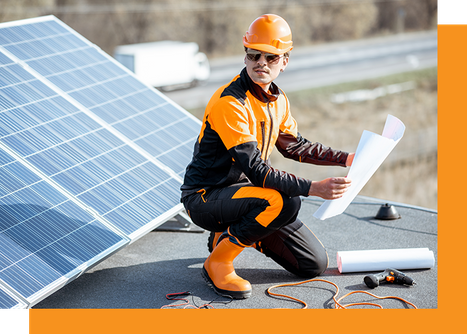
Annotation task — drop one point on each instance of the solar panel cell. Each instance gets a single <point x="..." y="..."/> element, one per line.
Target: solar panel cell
<point x="8" y="302"/>
<point x="15" y="34"/>
<point x="13" y="275"/>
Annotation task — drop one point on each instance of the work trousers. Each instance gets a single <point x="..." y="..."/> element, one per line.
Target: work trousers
<point x="263" y="218"/>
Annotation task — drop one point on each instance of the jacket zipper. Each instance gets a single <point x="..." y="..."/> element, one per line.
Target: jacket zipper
<point x="270" y="131"/>
<point x="263" y="137"/>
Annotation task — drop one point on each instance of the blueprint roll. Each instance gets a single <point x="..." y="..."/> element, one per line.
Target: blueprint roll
<point x="382" y="259"/>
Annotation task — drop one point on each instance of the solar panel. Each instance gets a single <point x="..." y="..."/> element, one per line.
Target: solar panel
<point x="8" y="301"/>
<point x="108" y="90"/>
<point x="90" y="158"/>
<point x="45" y="238"/>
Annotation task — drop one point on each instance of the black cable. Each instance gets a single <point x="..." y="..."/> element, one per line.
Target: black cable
<point x="215" y="301"/>
<point x="180" y="295"/>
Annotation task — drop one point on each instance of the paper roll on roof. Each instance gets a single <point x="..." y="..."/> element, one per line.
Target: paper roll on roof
<point x="377" y="260"/>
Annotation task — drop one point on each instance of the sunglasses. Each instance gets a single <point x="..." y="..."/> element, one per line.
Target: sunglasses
<point x="254" y="55"/>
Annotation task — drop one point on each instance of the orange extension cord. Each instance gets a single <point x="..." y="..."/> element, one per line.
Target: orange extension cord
<point x="337" y="301"/>
<point x="186" y="303"/>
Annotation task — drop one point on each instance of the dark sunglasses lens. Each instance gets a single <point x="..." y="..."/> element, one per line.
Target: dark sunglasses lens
<point x="253" y="56"/>
<point x="272" y="58"/>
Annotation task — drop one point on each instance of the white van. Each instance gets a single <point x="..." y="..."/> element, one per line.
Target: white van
<point x="165" y="65"/>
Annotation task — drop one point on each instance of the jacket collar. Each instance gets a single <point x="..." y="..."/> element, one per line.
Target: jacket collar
<point x="257" y="91"/>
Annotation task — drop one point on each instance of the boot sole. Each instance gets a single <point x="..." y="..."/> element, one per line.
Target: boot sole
<point x="225" y="293"/>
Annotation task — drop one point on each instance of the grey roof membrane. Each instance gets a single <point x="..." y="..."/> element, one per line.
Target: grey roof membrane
<point x="163" y="262"/>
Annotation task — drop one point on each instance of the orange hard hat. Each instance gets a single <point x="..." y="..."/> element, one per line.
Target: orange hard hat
<point x="269" y="33"/>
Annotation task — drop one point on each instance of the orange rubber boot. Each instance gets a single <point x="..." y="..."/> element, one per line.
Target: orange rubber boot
<point x="219" y="272"/>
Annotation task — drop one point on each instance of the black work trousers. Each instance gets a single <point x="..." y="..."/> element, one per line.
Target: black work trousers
<point x="263" y="218"/>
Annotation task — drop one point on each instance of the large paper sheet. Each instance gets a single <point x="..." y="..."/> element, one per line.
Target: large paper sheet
<point x="370" y="154"/>
<point x="382" y="259"/>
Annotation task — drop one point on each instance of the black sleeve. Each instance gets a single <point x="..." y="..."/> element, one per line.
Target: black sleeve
<point x="301" y="149"/>
<point x="248" y="158"/>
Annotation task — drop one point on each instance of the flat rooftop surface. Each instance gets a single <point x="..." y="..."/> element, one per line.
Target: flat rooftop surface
<point x="163" y="262"/>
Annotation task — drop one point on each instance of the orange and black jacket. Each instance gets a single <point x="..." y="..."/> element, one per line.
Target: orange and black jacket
<point x="241" y="125"/>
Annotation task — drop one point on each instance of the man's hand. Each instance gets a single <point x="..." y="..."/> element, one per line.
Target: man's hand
<point x="330" y="188"/>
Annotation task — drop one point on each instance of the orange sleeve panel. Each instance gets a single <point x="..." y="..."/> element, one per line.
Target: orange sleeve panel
<point x="231" y="121"/>
<point x="289" y="126"/>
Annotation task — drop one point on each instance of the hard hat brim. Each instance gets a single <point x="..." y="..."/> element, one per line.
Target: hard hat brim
<point x="266" y="47"/>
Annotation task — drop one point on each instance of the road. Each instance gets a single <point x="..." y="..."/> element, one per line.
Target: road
<point x="328" y="64"/>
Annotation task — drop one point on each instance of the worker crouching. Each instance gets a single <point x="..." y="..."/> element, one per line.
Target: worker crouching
<point x="230" y="188"/>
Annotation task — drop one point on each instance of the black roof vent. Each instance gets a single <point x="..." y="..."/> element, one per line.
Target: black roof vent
<point x="387" y="212"/>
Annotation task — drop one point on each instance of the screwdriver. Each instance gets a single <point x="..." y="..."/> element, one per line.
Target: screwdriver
<point x="389" y="275"/>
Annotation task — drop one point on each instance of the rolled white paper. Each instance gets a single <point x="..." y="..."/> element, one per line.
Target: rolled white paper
<point x="382" y="259"/>
<point x="370" y="154"/>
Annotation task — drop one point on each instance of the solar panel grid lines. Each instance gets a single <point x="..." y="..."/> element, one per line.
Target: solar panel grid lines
<point x="46" y="240"/>
<point x="123" y="73"/>
<point x="66" y="179"/>
<point x="26" y="172"/>
<point x="91" y="159"/>
<point x="8" y="300"/>
<point x="46" y="168"/>
<point x="189" y="125"/>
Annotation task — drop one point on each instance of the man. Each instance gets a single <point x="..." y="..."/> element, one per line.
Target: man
<point x="231" y="190"/>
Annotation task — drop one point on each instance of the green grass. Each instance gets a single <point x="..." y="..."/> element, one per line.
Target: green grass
<point x="422" y="78"/>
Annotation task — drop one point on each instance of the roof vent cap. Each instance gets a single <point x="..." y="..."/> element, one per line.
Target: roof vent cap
<point x="387" y="212"/>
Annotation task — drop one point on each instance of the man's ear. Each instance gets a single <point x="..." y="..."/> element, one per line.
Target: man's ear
<point x="285" y="62"/>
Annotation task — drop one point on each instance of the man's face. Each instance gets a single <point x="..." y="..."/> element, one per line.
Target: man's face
<point x="263" y="68"/>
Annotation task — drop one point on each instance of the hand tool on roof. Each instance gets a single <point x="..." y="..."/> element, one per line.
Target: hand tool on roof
<point x="389" y="275"/>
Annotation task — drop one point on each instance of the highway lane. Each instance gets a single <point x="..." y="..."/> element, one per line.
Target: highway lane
<point x="328" y="64"/>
